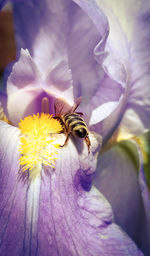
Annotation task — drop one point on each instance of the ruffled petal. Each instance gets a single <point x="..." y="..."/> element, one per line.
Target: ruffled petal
<point x="84" y="36"/>
<point x="98" y="55"/>
<point x="109" y="118"/>
<point x="104" y="68"/>
<point x="118" y="16"/>
<point x="100" y="89"/>
<point x="136" y="27"/>
<point x="54" y="215"/>
<point x="104" y="49"/>
<point x="140" y="45"/>
<point x="102" y="106"/>
<point x="124" y="12"/>
<point x="119" y="60"/>
<point x="139" y="98"/>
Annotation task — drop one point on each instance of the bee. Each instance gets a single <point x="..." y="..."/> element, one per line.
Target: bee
<point x="72" y="121"/>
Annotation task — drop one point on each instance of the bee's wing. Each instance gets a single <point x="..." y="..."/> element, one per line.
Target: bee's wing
<point x="61" y="107"/>
<point x="75" y="105"/>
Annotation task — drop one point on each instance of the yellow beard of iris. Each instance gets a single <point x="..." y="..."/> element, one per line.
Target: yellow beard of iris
<point x="37" y="146"/>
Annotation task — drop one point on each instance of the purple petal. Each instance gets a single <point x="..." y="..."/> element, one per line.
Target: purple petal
<point x="84" y="36"/>
<point x="117" y="58"/>
<point x="138" y="106"/>
<point x="140" y="44"/>
<point x="45" y="38"/>
<point x="119" y="16"/>
<point x="139" y="101"/>
<point x="103" y="92"/>
<point x="104" y="102"/>
<point x="27" y="86"/>
<point x="116" y="61"/>
<point x="93" y="55"/>
<point x="115" y="168"/>
<point x="12" y="193"/>
<point x="97" y="56"/>
<point x="118" y="168"/>
<point x="27" y="102"/>
<point x="105" y="50"/>
<point x="24" y="73"/>
<point x="23" y="98"/>
<point x="112" y="120"/>
<point x="54" y="215"/>
<point x="57" y="32"/>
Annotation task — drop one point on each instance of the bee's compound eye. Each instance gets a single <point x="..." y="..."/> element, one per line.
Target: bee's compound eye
<point x="81" y="132"/>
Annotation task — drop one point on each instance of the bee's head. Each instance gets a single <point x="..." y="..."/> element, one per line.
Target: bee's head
<point x="81" y="132"/>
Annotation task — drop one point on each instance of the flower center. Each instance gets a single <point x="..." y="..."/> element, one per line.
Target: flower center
<point x="36" y="143"/>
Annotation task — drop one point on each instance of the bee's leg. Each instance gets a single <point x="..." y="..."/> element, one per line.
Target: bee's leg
<point x="88" y="143"/>
<point x="66" y="140"/>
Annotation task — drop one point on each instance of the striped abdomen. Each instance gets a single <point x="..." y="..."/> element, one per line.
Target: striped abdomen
<point x="75" y="124"/>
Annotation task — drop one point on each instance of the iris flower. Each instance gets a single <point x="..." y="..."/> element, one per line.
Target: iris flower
<point x="48" y="205"/>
